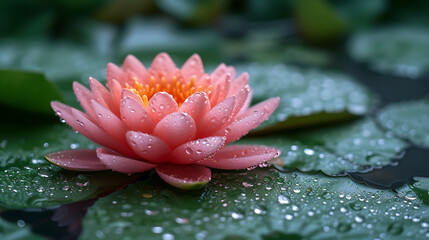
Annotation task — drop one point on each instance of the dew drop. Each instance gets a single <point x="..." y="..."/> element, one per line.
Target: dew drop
<point x="358" y="219"/>
<point x="182" y="220"/>
<point x="326" y="195"/>
<point x="20" y="223"/>
<point x="295" y="208"/>
<point x="74" y="145"/>
<point x="157" y="229"/>
<point x="80" y="123"/>
<point x="343" y="227"/>
<point x="259" y="211"/>
<point x="395" y="228"/>
<point x="309" y="152"/>
<point x="45" y="172"/>
<point x="167" y="236"/>
<point x="296" y="190"/>
<point x="189" y="150"/>
<point x="410" y="196"/>
<point x="283" y="199"/>
<point x="356" y="206"/>
<point x="235" y="215"/>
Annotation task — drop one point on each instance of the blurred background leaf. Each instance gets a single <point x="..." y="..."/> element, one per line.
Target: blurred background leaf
<point x="195" y="12"/>
<point x="12" y="231"/>
<point x="28" y="91"/>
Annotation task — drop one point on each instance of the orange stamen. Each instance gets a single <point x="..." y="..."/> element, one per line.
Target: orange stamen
<point x="179" y="89"/>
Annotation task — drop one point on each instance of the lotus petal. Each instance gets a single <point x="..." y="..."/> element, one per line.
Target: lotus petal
<point x="196" y="150"/>
<point x="135" y="116"/>
<point x="163" y="64"/>
<point x="77" y="160"/>
<point x="240" y="157"/>
<point x="102" y="95"/>
<point x="188" y="177"/>
<point x="267" y="106"/>
<point x="160" y="105"/>
<point x="239" y="128"/>
<point x="148" y="147"/>
<point x="196" y="105"/>
<point x="216" y="118"/>
<point x="193" y="67"/>
<point x="84" y="97"/>
<point x="133" y="65"/>
<point x="122" y="164"/>
<point x="114" y="73"/>
<point x="175" y="129"/>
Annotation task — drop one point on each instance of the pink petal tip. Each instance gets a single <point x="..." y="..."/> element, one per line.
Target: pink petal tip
<point x="188" y="177"/>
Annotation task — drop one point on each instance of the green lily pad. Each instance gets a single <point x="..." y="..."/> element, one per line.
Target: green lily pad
<point x="265" y="48"/>
<point x="356" y="146"/>
<point x="10" y="231"/>
<point x="258" y="204"/>
<point x="146" y="38"/>
<point x="359" y="14"/>
<point x="408" y="120"/>
<point x="194" y="12"/>
<point x="58" y="61"/>
<point x="29" y="181"/>
<point x="397" y="50"/>
<point x="307" y="97"/>
<point x="28" y="91"/>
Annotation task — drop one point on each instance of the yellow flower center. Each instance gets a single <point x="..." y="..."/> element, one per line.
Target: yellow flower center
<point x="180" y="90"/>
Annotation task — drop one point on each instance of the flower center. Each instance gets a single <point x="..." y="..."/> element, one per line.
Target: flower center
<point x="180" y="90"/>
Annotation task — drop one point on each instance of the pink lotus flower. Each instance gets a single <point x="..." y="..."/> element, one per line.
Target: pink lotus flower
<point x="177" y="121"/>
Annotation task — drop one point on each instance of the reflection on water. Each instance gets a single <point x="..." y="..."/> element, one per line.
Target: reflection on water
<point x="414" y="163"/>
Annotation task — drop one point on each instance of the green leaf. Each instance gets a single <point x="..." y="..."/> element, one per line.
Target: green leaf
<point x="307" y="97"/>
<point x="29" y="181"/>
<point x="58" y="61"/>
<point x="27" y="91"/>
<point x="318" y="21"/>
<point x="267" y="48"/>
<point x="421" y="189"/>
<point x="408" y="120"/>
<point x="10" y="231"/>
<point x="145" y="38"/>
<point x="359" y="14"/>
<point x="33" y="21"/>
<point x="193" y="11"/>
<point x="397" y="50"/>
<point x="334" y="150"/>
<point x="405" y="12"/>
<point x="258" y="204"/>
<point x="268" y="10"/>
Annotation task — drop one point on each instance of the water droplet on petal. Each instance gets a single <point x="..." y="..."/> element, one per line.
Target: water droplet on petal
<point x="189" y="150"/>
